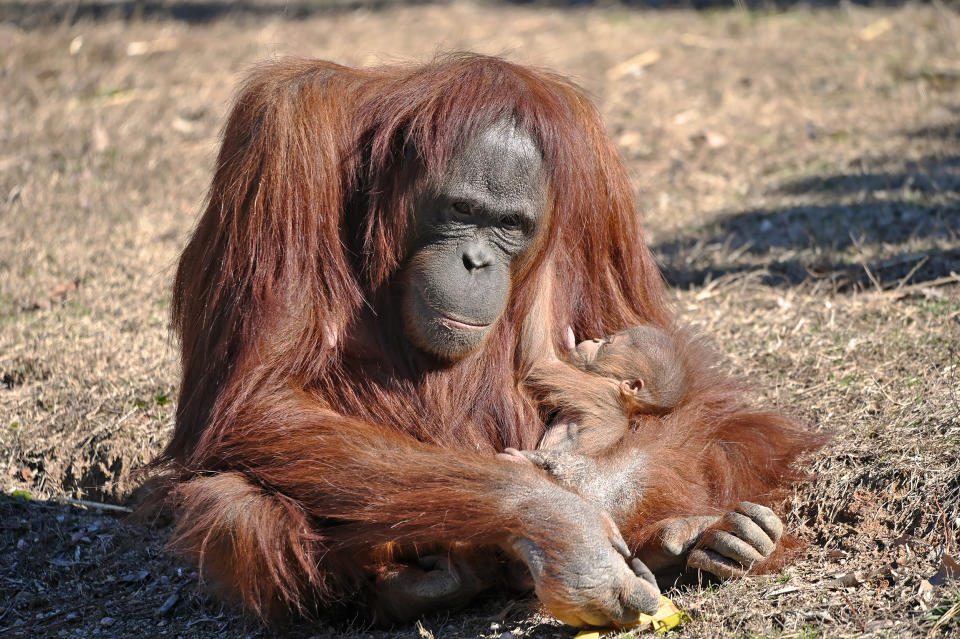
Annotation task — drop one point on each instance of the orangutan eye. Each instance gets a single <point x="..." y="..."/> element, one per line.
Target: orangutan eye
<point x="461" y="209"/>
<point x="511" y="222"/>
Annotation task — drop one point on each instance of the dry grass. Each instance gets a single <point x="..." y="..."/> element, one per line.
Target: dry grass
<point x="801" y="177"/>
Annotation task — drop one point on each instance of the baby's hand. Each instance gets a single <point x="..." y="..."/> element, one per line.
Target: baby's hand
<point x="570" y="470"/>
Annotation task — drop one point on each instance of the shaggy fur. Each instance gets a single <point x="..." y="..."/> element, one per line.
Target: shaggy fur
<point x="301" y="457"/>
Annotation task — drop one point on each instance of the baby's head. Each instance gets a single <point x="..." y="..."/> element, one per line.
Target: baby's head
<point x="633" y="358"/>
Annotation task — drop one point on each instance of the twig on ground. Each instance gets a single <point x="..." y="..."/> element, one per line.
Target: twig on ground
<point x="91" y="504"/>
<point x="898" y="292"/>
<point x="916" y="267"/>
<point x="856" y="613"/>
<point x="872" y="277"/>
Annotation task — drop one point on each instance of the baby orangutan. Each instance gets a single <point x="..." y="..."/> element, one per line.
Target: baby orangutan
<point x="600" y="394"/>
<point x="640" y="370"/>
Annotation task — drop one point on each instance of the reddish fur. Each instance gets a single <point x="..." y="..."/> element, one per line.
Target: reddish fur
<point x="300" y="241"/>
<point x="712" y="452"/>
<point x="591" y="395"/>
<point x="707" y="454"/>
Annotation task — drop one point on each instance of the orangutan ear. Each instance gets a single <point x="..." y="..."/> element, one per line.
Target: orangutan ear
<point x="631" y="387"/>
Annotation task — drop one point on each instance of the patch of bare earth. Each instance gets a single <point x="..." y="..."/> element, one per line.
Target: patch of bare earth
<point x="800" y="174"/>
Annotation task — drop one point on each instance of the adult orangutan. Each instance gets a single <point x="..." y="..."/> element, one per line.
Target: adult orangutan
<point x="353" y="310"/>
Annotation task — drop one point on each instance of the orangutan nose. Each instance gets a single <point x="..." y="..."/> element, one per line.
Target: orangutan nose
<point x="476" y="256"/>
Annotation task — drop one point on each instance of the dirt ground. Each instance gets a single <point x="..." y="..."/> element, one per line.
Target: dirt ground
<point x="800" y="176"/>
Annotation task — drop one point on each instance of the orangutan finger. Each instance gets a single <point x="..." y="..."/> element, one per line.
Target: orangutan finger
<point x="642" y="595"/>
<point x="640" y="570"/>
<point x="745" y="528"/>
<point x="731" y="546"/>
<point x="613" y="534"/>
<point x="679" y="535"/>
<point x="708" y="561"/>
<point x="764" y="517"/>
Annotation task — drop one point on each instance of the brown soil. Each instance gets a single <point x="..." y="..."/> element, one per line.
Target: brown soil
<point x="800" y="173"/>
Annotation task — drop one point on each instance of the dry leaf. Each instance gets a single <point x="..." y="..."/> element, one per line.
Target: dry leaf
<point x="685" y="116"/>
<point x="56" y="295"/>
<point x="99" y="138"/>
<point x="64" y="288"/>
<point x="949" y="571"/>
<point x="633" y="65"/>
<point x="182" y="126"/>
<point x="875" y="29"/>
<point x="773" y="594"/>
<point x="134" y="577"/>
<point x="715" y="140"/>
<point x="712" y="140"/>
<point x="844" y="580"/>
<point x="630" y="138"/>
<point x="159" y="45"/>
<point x="424" y="633"/>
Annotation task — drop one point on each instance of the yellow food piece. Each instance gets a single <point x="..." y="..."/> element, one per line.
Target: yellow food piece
<point x="666" y="617"/>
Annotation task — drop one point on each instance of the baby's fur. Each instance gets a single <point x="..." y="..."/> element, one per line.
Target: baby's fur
<point x="640" y="370"/>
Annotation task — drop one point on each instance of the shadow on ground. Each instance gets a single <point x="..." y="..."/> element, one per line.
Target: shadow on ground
<point x="45" y="13"/>
<point x="28" y="14"/>
<point x="70" y="571"/>
<point x="884" y="223"/>
<point x="116" y="570"/>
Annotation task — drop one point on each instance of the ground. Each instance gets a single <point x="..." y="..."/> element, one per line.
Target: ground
<point x="800" y="177"/>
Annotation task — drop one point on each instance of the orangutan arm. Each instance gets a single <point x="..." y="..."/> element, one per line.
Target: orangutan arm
<point x="339" y="487"/>
<point x="677" y="490"/>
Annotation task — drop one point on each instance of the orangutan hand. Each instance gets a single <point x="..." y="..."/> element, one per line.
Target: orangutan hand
<point x="737" y="542"/>
<point x="579" y="562"/>
<point x="435" y="582"/>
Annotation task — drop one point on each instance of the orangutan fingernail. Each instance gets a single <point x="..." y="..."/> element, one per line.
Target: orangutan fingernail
<point x="569" y="341"/>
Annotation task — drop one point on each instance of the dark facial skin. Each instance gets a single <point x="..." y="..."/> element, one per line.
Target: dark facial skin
<point x="468" y="236"/>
